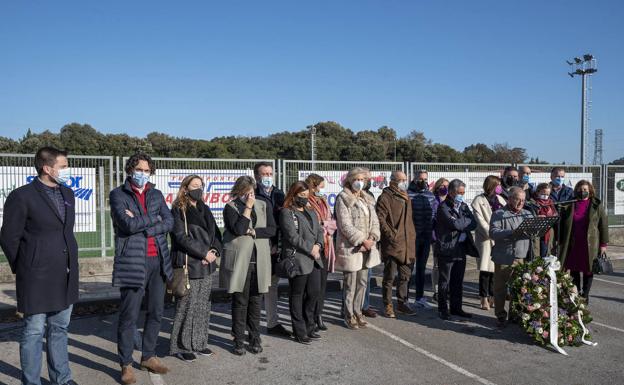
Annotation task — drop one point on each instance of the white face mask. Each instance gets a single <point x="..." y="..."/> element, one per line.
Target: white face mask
<point x="403" y="186"/>
<point x="320" y="193"/>
<point x="358" y="185"/>
<point x="63" y="176"/>
<point x="266" y="181"/>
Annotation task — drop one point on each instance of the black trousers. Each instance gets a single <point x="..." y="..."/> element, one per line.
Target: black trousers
<point x="423" y="246"/>
<point x="246" y="307"/>
<point x="451" y="283"/>
<point x="391" y="267"/>
<point x="303" y="295"/>
<point x="486" y="284"/>
<point x="131" y="297"/>
<point x="320" y="302"/>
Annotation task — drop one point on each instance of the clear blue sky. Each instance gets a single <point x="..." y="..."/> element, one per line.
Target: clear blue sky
<point x="460" y="71"/>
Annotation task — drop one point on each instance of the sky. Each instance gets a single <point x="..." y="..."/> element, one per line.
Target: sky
<point x="462" y="72"/>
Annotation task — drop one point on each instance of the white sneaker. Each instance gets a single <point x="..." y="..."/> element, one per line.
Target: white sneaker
<point x="422" y="303"/>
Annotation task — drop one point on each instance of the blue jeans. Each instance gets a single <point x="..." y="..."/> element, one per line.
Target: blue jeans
<point x="367" y="293"/>
<point x="31" y="346"/>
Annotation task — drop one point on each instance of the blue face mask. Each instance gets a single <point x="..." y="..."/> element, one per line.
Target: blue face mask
<point x="526" y="178"/>
<point x="459" y="199"/>
<point x="140" y="179"/>
<point x="266" y="181"/>
<point x="64" y="175"/>
<point x="558" y="181"/>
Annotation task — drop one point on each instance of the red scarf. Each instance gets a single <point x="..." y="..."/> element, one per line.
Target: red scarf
<point x="322" y="210"/>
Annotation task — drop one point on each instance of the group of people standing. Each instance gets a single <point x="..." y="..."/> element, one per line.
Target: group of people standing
<point x="268" y="235"/>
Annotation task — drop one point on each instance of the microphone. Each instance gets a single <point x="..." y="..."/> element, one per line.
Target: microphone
<point x="566" y="202"/>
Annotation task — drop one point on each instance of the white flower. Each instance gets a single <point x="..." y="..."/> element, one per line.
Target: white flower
<point x="539" y="290"/>
<point x="539" y="330"/>
<point x="537" y="305"/>
<point x="526" y="316"/>
<point x="526" y="276"/>
<point x="581" y="306"/>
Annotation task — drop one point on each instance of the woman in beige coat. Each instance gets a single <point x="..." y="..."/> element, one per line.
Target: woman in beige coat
<point x="483" y="206"/>
<point x="356" y="243"/>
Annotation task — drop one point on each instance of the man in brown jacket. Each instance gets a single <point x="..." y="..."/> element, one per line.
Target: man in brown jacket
<point x="398" y="240"/>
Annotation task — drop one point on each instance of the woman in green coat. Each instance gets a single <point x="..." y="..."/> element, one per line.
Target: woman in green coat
<point x="584" y="234"/>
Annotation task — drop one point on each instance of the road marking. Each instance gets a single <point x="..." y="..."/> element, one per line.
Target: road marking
<point x="426" y="353"/>
<point x="607" y="326"/>
<point x="604" y="280"/>
<point x="156" y="379"/>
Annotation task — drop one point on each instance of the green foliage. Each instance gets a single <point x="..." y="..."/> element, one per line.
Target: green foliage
<point x="333" y="142"/>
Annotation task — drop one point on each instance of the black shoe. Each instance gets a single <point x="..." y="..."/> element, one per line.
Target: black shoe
<point x="206" y="352"/>
<point x="239" y="349"/>
<point x="445" y="316"/>
<point x="320" y="324"/>
<point x="186" y="357"/>
<point x="255" y="347"/>
<point x="303" y="340"/>
<point x="461" y="313"/>
<point x="278" y="330"/>
<point x="314" y="335"/>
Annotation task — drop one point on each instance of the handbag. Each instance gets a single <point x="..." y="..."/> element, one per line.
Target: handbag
<point x="179" y="286"/>
<point x="602" y="264"/>
<point x="285" y="266"/>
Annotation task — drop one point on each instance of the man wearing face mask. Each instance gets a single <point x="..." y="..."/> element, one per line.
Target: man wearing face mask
<point x="398" y="241"/>
<point x="509" y="248"/>
<point x="141" y="220"/>
<point x="454" y="223"/>
<point x="559" y="192"/>
<point x="38" y="241"/>
<point x="266" y="191"/>
<point x="510" y="178"/>
<point x="524" y="181"/>
<point x="423" y="215"/>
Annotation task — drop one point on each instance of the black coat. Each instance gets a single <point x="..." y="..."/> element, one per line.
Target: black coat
<point x="203" y="235"/>
<point x="40" y="248"/>
<point x="450" y="224"/>
<point x="131" y="234"/>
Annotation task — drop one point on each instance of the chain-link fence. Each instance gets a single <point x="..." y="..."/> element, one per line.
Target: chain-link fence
<point x="91" y="179"/>
<point x="540" y="173"/>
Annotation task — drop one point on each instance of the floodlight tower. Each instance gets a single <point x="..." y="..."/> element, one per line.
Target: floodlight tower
<point x="585" y="66"/>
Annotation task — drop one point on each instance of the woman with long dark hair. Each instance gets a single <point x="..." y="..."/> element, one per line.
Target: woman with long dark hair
<point x="195" y="242"/>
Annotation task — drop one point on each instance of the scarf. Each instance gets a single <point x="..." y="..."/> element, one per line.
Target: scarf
<point x="322" y="210"/>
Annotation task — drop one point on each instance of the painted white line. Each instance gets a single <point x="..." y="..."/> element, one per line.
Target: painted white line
<point x="607" y="326"/>
<point x="604" y="280"/>
<point x="156" y="379"/>
<point x="426" y="353"/>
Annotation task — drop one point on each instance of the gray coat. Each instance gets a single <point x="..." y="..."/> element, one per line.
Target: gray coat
<point x="508" y="247"/>
<point x="299" y="238"/>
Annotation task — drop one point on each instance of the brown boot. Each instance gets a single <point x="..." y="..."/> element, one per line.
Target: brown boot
<point x="361" y="320"/>
<point x="127" y="375"/>
<point x="351" y="323"/>
<point x="389" y="312"/>
<point x="154" y="365"/>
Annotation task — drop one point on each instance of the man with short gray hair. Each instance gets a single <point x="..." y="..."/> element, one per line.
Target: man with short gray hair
<point x="509" y="248"/>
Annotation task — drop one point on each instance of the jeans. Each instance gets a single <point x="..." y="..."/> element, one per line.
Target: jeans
<point x="366" y="303"/>
<point x="131" y="297"/>
<point x="423" y="246"/>
<point x="246" y="308"/>
<point x="451" y="284"/>
<point x="31" y="345"/>
<point x="303" y="295"/>
<point x="391" y="267"/>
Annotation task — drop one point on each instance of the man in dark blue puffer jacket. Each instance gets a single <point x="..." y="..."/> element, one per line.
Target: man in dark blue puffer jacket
<point x="141" y="220"/>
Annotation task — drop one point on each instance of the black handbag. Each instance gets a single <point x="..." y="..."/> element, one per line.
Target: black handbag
<point x="602" y="264"/>
<point x="179" y="286"/>
<point x="285" y="266"/>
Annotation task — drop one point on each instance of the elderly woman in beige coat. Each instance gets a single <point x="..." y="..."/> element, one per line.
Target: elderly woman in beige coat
<point x="483" y="206"/>
<point x="356" y="243"/>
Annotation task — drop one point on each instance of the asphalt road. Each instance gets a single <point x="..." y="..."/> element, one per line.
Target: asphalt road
<point x="419" y="349"/>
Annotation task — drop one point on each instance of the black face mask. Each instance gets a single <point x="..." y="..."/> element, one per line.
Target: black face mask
<point x="510" y="181"/>
<point x="301" y="202"/>
<point x="196" y="194"/>
<point x="422" y="184"/>
<point x="582" y="194"/>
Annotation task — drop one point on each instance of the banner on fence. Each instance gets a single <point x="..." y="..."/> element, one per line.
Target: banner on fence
<point x="474" y="180"/>
<point x="334" y="180"/>
<point x="82" y="182"/>
<point x="218" y="184"/>
<point x="618" y="194"/>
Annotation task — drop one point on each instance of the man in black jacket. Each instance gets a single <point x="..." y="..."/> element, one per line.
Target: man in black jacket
<point x="38" y="240"/>
<point x="454" y="222"/>
<point x="265" y="190"/>
<point x="141" y="220"/>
